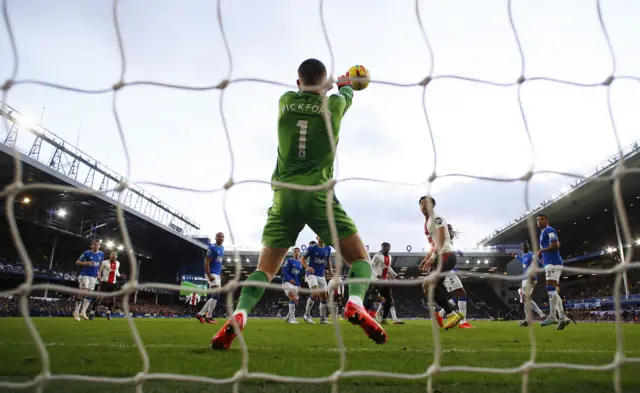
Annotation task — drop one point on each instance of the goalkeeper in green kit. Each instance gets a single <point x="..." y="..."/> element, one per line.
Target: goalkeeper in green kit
<point x="305" y="157"/>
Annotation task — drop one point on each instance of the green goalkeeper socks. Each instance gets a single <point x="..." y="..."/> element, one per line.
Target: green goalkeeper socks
<point x="359" y="269"/>
<point x="250" y="296"/>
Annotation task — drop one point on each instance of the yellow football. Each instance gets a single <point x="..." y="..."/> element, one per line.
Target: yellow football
<point x="360" y="77"/>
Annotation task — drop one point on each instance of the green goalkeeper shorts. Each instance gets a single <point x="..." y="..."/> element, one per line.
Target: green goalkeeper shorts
<point x="292" y="209"/>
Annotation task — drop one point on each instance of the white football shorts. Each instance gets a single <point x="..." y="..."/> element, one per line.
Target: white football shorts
<point x="527" y="287"/>
<point x="87" y="282"/>
<point x="552" y="272"/>
<point x="216" y="282"/>
<point x="288" y="287"/>
<point x="452" y="282"/>
<point x="315" y="281"/>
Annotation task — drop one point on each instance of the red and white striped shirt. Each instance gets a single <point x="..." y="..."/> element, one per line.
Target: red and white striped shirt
<point x="381" y="266"/>
<point x="434" y="223"/>
<point x="193" y="299"/>
<point x="110" y="271"/>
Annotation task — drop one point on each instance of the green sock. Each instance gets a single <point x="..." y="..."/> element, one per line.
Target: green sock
<point x="250" y="296"/>
<point x="359" y="269"/>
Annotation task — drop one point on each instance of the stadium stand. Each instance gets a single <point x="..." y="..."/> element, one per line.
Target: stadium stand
<point x="590" y="235"/>
<point x="57" y="226"/>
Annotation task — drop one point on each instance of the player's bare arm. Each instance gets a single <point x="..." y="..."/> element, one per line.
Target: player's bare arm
<point x="554" y="245"/>
<point x="427" y="261"/>
<point x="207" y="268"/>
<point x="306" y="267"/>
<point x="392" y="272"/>
<point x="100" y="272"/>
<point x="438" y="244"/>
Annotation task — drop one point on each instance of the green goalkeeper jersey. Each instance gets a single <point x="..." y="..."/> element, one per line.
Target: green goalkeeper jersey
<point x="304" y="149"/>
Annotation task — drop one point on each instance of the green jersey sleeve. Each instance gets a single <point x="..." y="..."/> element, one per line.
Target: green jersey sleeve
<point x="339" y="103"/>
<point x="305" y="152"/>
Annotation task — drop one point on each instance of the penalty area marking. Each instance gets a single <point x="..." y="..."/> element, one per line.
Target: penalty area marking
<point x="359" y="349"/>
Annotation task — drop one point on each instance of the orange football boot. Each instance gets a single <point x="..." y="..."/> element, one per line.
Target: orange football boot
<point x="357" y="315"/>
<point x="225" y="336"/>
<point x="439" y="319"/>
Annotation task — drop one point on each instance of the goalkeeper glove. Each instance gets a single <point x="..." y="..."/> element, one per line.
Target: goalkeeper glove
<point x="344" y="80"/>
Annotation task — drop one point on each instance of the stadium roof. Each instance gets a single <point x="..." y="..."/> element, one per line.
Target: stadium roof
<point x="579" y="203"/>
<point x="82" y="171"/>
<point x="153" y="226"/>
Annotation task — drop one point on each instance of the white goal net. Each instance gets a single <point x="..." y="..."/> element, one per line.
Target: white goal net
<point x="11" y="191"/>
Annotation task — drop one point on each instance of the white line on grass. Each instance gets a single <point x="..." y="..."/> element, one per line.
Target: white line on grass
<point x="358" y="349"/>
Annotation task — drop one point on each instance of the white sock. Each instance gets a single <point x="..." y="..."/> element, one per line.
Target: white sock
<point x="323" y="309"/>
<point x="356" y="300"/>
<point x="85" y="305"/>
<point x="212" y="306"/>
<point x="552" y="304"/>
<point x="205" y="308"/>
<point x="393" y="313"/>
<point x="380" y="309"/>
<point x="292" y="311"/>
<point x="536" y="309"/>
<point x="310" y="303"/>
<point x="559" y="306"/>
<point x="78" y="304"/>
<point x="244" y="316"/>
<point x="462" y="307"/>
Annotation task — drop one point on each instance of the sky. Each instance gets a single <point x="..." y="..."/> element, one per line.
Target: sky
<point x="177" y="137"/>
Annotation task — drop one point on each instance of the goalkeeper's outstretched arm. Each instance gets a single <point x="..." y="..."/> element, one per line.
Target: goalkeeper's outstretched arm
<point x="340" y="102"/>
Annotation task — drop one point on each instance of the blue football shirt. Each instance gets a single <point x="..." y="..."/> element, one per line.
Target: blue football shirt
<point x="317" y="258"/>
<point x="547" y="236"/>
<point x="291" y="271"/>
<point x="95" y="258"/>
<point x="216" y="253"/>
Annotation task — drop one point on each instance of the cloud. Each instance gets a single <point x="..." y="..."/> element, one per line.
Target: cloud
<point x="177" y="136"/>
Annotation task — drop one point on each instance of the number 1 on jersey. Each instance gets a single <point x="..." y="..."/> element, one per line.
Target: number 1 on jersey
<point x="302" y="141"/>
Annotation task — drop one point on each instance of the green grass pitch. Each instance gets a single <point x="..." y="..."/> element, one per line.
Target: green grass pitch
<point x="105" y="348"/>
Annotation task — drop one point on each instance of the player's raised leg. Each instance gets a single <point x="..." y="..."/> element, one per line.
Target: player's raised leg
<point x="268" y="265"/>
<point x="284" y="223"/>
<point x="355" y="254"/>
